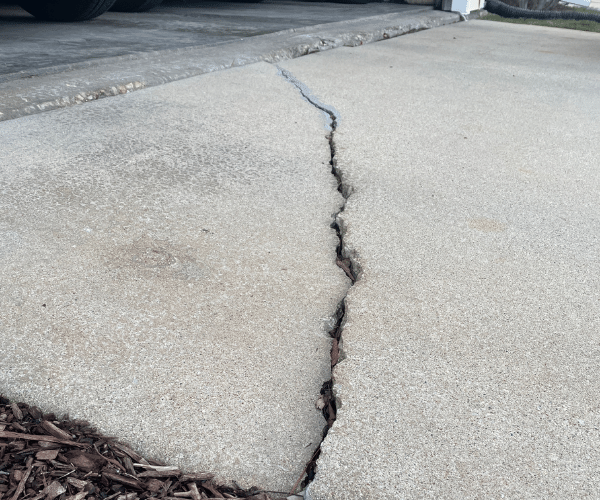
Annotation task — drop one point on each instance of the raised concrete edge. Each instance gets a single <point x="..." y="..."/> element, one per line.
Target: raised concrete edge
<point x="182" y="51"/>
<point x="63" y="86"/>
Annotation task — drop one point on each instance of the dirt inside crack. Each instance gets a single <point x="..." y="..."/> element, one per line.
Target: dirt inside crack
<point x="327" y="401"/>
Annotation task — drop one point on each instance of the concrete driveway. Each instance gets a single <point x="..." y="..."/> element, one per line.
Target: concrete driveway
<point x="65" y="64"/>
<point x="471" y="363"/>
<point x="175" y="283"/>
<point x="169" y="266"/>
<point x="29" y="45"/>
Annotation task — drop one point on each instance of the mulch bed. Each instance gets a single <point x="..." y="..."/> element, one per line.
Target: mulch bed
<point x="43" y="458"/>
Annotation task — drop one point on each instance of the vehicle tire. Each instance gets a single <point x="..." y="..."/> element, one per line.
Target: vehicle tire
<point x="66" y="10"/>
<point x="134" y="5"/>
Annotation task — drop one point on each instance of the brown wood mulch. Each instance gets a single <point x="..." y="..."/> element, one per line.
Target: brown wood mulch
<point x="43" y="458"/>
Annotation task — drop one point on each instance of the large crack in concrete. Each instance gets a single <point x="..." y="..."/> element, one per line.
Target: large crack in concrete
<point x="327" y="401"/>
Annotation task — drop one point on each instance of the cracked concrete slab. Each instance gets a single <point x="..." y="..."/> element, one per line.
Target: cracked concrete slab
<point x="168" y="271"/>
<point x="469" y="364"/>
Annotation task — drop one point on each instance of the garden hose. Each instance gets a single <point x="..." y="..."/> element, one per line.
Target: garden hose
<point x="504" y="10"/>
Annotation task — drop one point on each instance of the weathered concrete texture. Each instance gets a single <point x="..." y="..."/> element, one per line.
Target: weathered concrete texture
<point x="57" y="87"/>
<point x="472" y="339"/>
<point x="168" y="271"/>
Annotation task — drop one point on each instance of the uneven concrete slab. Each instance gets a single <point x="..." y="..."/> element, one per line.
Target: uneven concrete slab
<point x="471" y="342"/>
<point x="28" y="46"/>
<point x="26" y="93"/>
<point x="168" y="271"/>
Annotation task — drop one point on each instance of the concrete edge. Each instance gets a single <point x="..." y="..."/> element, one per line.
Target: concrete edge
<point x="77" y="84"/>
<point x="182" y="51"/>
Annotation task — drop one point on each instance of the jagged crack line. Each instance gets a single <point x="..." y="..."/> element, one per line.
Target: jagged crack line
<point x="327" y="398"/>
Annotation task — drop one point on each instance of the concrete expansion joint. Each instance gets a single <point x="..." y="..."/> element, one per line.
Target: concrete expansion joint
<point x="327" y="402"/>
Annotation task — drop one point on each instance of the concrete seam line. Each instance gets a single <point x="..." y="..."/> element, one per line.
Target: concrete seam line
<point x="309" y="44"/>
<point x="346" y="260"/>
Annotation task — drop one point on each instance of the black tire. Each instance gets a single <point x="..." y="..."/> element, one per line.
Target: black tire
<point x="134" y="5"/>
<point x="66" y="10"/>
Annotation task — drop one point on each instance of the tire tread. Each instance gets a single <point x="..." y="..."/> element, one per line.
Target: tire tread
<point x="66" y="10"/>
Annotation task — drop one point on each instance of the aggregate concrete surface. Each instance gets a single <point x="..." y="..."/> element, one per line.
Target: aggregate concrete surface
<point x="471" y="345"/>
<point x="168" y="271"/>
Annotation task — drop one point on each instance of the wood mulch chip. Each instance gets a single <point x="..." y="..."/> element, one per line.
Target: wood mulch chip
<point x="44" y="458"/>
